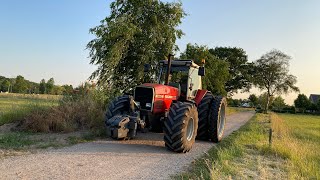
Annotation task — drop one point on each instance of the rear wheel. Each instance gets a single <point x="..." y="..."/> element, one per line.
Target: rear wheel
<point x="217" y="118"/>
<point x="120" y="105"/>
<point x="203" y="114"/>
<point x="180" y="128"/>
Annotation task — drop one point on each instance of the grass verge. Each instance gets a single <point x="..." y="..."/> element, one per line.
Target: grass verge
<point x="15" y="141"/>
<point x="247" y="154"/>
<point x="219" y="162"/>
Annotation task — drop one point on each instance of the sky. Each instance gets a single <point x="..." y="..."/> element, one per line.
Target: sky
<point x="44" y="39"/>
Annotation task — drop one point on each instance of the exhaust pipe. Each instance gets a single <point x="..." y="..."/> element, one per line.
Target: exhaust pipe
<point x="168" y="69"/>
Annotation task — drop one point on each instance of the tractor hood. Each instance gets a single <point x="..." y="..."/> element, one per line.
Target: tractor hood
<point x="161" y="89"/>
<point x="160" y="95"/>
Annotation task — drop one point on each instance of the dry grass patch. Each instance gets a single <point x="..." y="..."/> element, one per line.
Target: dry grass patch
<point x="71" y="115"/>
<point x="254" y="165"/>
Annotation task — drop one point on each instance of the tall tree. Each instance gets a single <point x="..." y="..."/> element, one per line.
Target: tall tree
<point x="20" y="85"/>
<point x="135" y="33"/>
<point x="217" y="73"/>
<point x="42" y="87"/>
<point x="239" y="68"/>
<point x="272" y="75"/>
<point x="263" y="98"/>
<point x="50" y="86"/>
<point x="302" y="102"/>
<point x="278" y="103"/>
<point x="254" y="99"/>
<point x="5" y="85"/>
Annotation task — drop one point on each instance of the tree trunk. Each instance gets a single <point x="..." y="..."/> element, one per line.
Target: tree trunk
<point x="267" y="105"/>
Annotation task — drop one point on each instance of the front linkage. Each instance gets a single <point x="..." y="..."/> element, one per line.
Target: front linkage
<point x="123" y="118"/>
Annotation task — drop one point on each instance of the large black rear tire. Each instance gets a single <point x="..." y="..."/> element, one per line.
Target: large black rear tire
<point x="180" y="128"/>
<point x="203" y="114"/>
<point x="217" y="118"/>
<point x="120" y="105"/>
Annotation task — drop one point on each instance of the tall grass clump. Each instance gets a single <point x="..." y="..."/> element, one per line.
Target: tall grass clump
<point x="84" y="110"/>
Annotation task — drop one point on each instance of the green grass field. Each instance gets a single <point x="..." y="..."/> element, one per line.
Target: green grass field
<point x="247" y="154"/>
<point x="14" y="107"/>
<point x="300" y="144"/>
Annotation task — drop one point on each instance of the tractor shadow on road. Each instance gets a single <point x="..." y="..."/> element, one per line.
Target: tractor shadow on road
<point x="144" y="143"/>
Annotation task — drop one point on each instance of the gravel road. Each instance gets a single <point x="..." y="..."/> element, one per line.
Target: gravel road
<point x="142" y="158"/>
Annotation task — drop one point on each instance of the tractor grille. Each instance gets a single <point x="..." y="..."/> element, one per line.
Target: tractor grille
<point x="144" y="95"/>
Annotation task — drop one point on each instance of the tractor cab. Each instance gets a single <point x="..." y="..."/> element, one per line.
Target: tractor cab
<point x="184" y="75"/>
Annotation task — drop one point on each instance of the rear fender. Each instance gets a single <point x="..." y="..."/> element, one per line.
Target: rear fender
<point x="199" y="96"/>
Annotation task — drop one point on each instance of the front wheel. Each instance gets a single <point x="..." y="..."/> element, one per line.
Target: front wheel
<point x="119" y="106"/>
<point x="217" y="118"/>
<point x="180" y="128"/>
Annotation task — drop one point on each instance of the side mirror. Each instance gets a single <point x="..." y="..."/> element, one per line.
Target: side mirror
<point x="146" y="68"/>
<point x="201" y="71"/>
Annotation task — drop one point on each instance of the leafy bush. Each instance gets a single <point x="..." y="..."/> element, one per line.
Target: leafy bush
<point x="233" y="102"/>
<point x="289" y="109"/>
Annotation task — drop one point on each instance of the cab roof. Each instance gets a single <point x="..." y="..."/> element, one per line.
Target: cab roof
<point x="180" y="62"/>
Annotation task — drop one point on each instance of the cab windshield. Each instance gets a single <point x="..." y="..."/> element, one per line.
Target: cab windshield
<point x="178" y="74"/>
<point x="178" y="78"/>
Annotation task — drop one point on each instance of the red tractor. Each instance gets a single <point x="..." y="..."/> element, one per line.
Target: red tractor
<point x="176" y="105"/>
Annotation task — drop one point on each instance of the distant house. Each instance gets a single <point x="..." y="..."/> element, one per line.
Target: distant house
<point x="314" y="98"/>
<point x="246" y="105"/>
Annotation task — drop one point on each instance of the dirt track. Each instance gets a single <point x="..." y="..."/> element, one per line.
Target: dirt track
<point x="142" y="158"/>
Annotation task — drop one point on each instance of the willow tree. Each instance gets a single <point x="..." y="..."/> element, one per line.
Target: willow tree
<point x="272" y="75"/>
<point x="136" y="32"/>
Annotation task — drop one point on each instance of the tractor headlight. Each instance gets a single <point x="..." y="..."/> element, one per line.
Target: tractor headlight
<point x="148" y="105"/>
